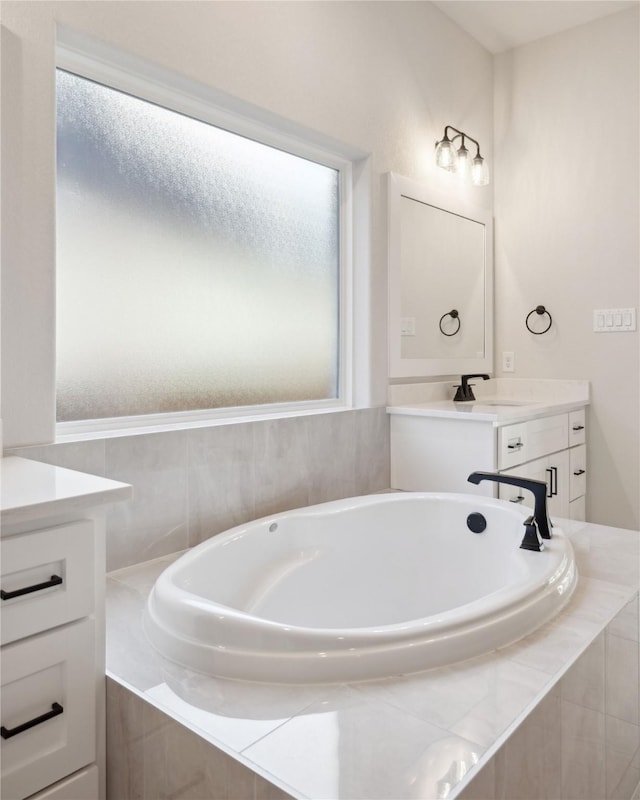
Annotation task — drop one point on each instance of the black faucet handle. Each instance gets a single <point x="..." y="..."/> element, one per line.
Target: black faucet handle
<point x="465" y="392"/>
<point x="531" y="540"/>
<point x="461" y="393"/>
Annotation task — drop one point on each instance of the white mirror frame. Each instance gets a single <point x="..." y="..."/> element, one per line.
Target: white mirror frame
<point x="398" y="187"/>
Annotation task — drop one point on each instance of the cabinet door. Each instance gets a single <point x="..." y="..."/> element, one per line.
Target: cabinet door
<point x="437" y="455"/>
<point x="578" y="471"/>
<point x="48" y="708"/>
<point x="81" y="785"/>
<point x="516" y="495"/>
<point x="47" y="579"/>
<point x="552" y="470"/>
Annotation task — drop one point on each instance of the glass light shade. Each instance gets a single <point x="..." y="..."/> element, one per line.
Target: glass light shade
<point x="446" y="154"/>
<point x="479" y="171"/>
<point x="463" y="162"/>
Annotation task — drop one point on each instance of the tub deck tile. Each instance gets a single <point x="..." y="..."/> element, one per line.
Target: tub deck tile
<point x="419" y="736"/>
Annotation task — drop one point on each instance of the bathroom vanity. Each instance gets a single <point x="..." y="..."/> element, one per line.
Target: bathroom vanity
<point x="52" y="624"/>
<point x="534" y="429"/>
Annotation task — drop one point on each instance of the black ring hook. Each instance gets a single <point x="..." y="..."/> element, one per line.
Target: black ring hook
<point x="538" y="310"/>
<point x="454" y="314"/>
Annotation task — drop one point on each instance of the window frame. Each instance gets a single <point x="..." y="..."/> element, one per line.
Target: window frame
<point x="177" y="93"/>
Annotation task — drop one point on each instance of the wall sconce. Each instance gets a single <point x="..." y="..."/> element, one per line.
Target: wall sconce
<point x="456" y="158"/>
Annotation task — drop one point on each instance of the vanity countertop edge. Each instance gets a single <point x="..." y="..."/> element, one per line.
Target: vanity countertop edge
<point x="494" y="412"/>
<point x="31" y="490"/>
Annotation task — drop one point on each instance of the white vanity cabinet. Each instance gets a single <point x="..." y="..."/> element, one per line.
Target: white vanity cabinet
<point x="52" y="631"/>
<point x="434" y="447"/>
<point x="557" y="444"/>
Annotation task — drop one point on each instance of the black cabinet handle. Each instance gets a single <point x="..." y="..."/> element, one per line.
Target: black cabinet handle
<point x="553" y="481"/>
<point x="7" y="733"/>
<point x="578" y="428"/>
<point x="515" y="446"/>
<point x="579" y="472"/>
<point x="518" y="499"/>
<point x="55" y="580"/>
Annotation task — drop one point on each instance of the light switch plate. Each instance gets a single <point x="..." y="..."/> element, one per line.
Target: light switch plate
<point x="614" y="320"/>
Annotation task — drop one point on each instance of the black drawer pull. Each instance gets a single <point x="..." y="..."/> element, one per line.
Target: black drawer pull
<point x="518" y="499"/>
<point x="56" y="580"/>
<point x="579" y="472"/>
<point x="515" y="446"/>
<point x="578" y="428"/>
<point x="7" y="733"/>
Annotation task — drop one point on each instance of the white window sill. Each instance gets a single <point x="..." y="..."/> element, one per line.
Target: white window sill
<point x="67" y="432"/>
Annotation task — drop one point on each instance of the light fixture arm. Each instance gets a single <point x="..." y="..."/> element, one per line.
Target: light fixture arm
<point x="464" y="135"/>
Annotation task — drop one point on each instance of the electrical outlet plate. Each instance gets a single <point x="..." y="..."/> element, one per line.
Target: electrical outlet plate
<point x="614" y="320"/>
<point x="407" y="326"/>
<point x="508" y="361"/>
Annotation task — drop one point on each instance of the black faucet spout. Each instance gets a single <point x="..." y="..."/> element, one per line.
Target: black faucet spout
<point x="464" y="392"/>
<point x="539" y="489"/>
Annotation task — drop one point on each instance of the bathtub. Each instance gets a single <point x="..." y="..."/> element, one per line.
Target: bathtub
<point x="358" y="589"/>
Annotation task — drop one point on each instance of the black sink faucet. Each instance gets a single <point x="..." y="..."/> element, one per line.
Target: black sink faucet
<point x="464" y="391"/>
<point x="540" y="517"/>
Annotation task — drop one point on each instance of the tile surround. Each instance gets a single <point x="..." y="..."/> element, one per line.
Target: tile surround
<point x="621" y="684"/>
<point x="584" y="685"/>
<point x="575" y="745"/>
<point x="583" y="742"/>
<point x="528" y="764"/>
<point x="376" y="744"/>
<point x="191" y="484"/>
<point x="159" y="759"/>
<point x="540" y="732"/>
<point x="155" y="521"/>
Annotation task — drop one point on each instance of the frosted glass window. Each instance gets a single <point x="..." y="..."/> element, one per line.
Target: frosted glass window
<point x="196" y="268"/>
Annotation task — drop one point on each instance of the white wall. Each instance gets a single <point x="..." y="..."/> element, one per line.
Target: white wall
<point x="567" y="211"/>
<point x="382" y="77"/>
<point x="385" y="78"/>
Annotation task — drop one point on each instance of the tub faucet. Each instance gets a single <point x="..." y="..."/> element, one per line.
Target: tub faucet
<point x="464" y="392"/>
<point x="540" y="521"/>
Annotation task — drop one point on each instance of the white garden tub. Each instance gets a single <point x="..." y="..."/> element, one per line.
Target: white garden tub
<point x="358" y="589"/>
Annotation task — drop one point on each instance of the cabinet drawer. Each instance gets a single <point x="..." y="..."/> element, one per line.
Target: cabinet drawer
<point x="577" y="427"/>
<point x="48" y="708"/>
<point x="535" y="438"/>
<point x="577" y="471"/>
<point x="47" y="579"/>
<point x="82" y="785"/>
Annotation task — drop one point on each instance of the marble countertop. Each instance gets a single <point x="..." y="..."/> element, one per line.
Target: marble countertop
<point x="501" y="401"/>
<point x="401" y="737"/>
<point x="495" y="409"/>
<point x="31" y="490"/>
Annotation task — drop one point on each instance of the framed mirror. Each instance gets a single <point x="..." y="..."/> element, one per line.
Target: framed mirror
<point x="440" y="283"/>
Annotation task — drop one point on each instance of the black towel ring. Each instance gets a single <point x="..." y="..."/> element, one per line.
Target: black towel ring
<point x="454" y="315"/>
<point x="538" y="310"/>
